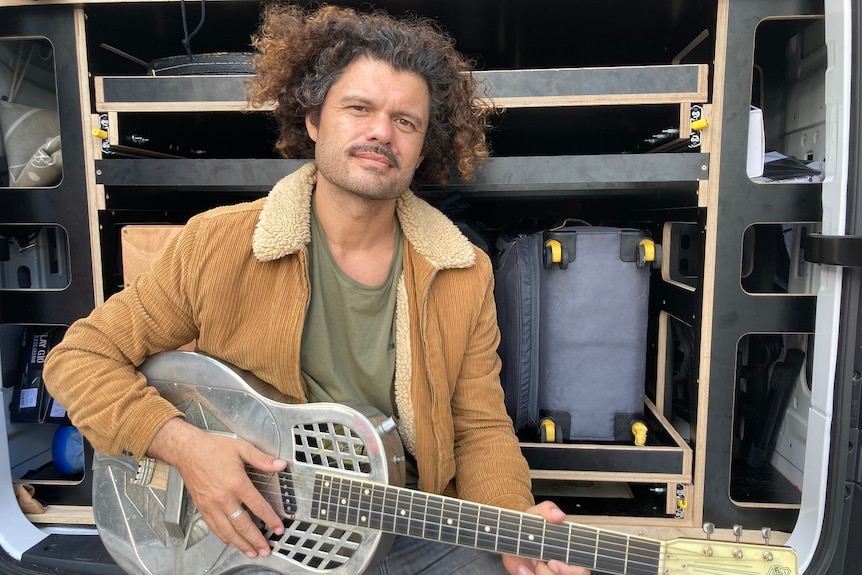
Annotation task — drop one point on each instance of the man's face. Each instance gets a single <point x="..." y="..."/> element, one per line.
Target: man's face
<point x="371" y="130"/>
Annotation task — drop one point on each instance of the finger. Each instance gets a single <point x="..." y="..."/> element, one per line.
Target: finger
<point x="227" y="530"/>
<point x="261" y="508"/>
<point x="243" y="531"/>
<point x="251" y="539"/>
<point x="559" y="568"/>
<point x="518" y="565"/>
<point x="251" y="495"/>
<point x="261" y="460"/>
<point x="549" y="511"/>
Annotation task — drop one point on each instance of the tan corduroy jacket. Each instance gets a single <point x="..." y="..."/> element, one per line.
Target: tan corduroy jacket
<point x="236" y="280"/>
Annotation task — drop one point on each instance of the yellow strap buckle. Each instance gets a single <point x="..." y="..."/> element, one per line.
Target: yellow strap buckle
<point x="639" y="431"/>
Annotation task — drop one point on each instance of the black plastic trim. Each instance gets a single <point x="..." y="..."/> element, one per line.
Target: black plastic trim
<point x="72" y="553"/>
<point x="845" y="251"/>
<point x="62" y="555"/>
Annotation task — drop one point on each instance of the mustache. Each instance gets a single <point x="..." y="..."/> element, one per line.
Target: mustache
<point x="375" y="149"/>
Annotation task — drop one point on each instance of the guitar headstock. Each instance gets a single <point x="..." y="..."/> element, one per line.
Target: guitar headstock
<point x="709" y="557"/>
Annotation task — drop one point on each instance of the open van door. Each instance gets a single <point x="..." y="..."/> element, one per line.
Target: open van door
<point x="830" y="521"/>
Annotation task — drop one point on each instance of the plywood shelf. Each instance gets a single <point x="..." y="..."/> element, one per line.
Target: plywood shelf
<point x="612" y="85"/>
<point x="502" y="177"/>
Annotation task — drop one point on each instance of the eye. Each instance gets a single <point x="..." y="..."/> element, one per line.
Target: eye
<point x="406" y="124"/>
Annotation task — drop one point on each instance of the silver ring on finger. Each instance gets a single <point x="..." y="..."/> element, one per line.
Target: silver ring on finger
<point x="235" y="514"/>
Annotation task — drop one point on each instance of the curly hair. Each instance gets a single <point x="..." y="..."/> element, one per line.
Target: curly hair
<point x="300" y="55"/>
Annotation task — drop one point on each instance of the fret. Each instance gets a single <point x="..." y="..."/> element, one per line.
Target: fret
<point x="350" y="496"/>
<point x="509" y="532"/>
<point x="488" y="533"/>
<point x="400" y="515"/>
<point x="531" y="536"/>
<point x="583" y="546"/>
<point x="346" y="511"/>
<point x="645" y="547"/>
<point x="626" y="564"/>
<point x="424" y="516"/>
<point x="612" y="557"/>
<point x="328" y="497"/>
<point x="375" y="507"/>
<point x="433" y="518"/>
<point x="557" y="542"/>
<point x="317" y="499"/>
<point x="643" y="556"/>
<point x="416" y="514"/>
<point x="383" y="502"/>
<point x="337" y="509"/>
<point x="568" y="559"/>
<point x="449" y="525"/>
<point x="543" y="550"/>
<point x="369" y="514"/>
<point x="469" y="524"/>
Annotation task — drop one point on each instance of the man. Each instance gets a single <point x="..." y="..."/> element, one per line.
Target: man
<point x="341" y="285"/>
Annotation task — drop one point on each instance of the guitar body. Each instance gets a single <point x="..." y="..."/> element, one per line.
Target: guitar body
<point x="341" y="497"/>
<point x="151" y="526"/>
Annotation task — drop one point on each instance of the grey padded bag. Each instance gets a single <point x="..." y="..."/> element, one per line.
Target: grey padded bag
<point x="573" y="332"/>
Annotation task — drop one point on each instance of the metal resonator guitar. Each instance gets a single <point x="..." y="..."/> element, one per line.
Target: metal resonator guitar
<point x="340" y="500"/>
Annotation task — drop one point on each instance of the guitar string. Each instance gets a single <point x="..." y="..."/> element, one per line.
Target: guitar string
<point x="585" y="534"/>
<point x="609" y="541"/>
<point x="391" y="494"/>
<point x="648" y="544"/>
<point x="552" y="531"/>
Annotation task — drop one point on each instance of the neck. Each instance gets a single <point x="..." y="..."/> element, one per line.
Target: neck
<point x="354" y="223"/>
<point x="433" y="517"/>
<point x="360" y="237"/>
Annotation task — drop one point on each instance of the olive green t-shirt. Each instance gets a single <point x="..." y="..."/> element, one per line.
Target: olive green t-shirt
<point x="348" y="342"/>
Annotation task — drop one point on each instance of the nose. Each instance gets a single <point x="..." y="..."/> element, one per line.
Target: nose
<point x="379" y="128"/>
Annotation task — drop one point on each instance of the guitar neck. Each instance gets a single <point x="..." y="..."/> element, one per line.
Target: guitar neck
<point x="447" y="520"/>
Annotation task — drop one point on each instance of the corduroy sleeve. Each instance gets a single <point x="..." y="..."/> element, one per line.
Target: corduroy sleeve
<point x="490" y="468"/>
<point x="92" y="371"/>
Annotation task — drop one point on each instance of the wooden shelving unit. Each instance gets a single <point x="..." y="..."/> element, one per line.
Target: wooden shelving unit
<point x="578" y="111"/>
<point x="675" y="177"/>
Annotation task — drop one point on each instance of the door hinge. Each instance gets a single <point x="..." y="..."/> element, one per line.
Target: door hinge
<point x="845" y="251"/>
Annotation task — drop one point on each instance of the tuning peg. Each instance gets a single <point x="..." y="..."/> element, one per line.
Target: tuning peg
<point x="388" y="425"/>
<point x="737" y="532"/>
<point x="767" y="535"/>
<point x="709" y="529"/>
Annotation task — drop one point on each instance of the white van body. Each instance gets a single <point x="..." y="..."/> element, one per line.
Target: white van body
<point x="822" y="414"/>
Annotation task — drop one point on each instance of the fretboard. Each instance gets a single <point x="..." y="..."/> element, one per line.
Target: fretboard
<point x="421" y="515"/>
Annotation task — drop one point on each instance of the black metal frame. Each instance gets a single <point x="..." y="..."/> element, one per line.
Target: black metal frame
<point x="735" y="312"/>
<point x="66" y="204"/>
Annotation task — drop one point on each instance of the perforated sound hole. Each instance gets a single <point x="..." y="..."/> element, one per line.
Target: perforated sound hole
<point x="315" y="546"/>
<point x="331" y="446"/>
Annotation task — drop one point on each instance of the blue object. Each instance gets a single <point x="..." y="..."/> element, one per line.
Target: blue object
<point x="67" y="449"/>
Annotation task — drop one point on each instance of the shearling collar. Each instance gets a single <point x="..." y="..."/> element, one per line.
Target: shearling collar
<point x="284" y="226"/>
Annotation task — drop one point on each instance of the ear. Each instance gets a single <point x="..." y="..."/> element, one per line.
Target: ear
<point x="311" y="128"/>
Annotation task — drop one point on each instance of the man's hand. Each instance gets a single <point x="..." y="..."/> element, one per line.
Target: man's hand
<point x="213" y="469"/>
<point x="521" y="566"/>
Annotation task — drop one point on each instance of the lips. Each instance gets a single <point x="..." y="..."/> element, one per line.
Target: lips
<point x="373" y="157"/>
<point x="374" y="154"/>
